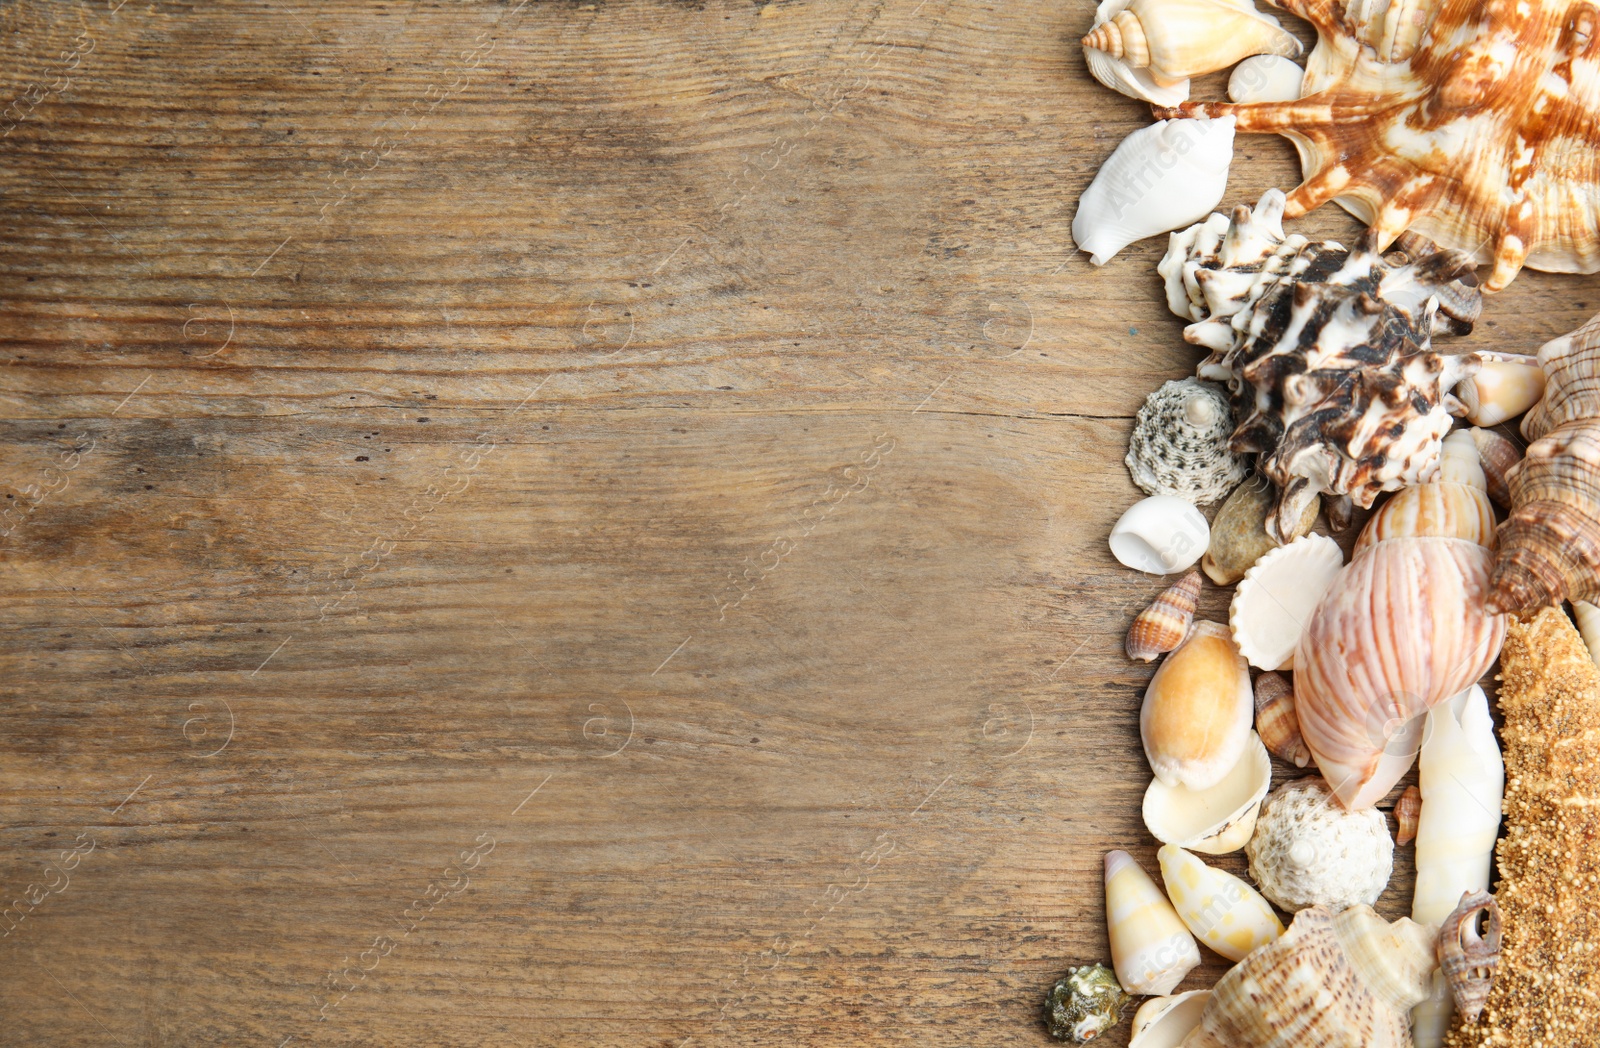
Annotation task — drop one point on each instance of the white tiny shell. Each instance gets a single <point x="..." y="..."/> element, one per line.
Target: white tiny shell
<point x="1163" y="1022"/>
<point x="1265" y="78"/>
<point x="1160" y="535"/>
<point x="1217" y="820"/>
<point x="1118" y="75"/>
<point x="1277" y="596"/>
<point x="1162" y="177"/>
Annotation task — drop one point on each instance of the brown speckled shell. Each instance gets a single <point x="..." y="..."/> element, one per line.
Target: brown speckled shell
<point x="1384" y="100"/>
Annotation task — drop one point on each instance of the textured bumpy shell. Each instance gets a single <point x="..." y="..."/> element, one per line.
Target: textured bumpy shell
<point x="1403" y="628"/>
<point x="1180" y="443"/>
<point x="1547" y="986"/>
<point x="1550" y="545"/>
<point x="1239" y="534"/>
<point x="1325" y="351"/>
<point x="1469" y="122"/>
<point x="1163" y="625"/>
<point x="1342" y="981"/>
<point x="1468" y="959"/>
<point x="1309" y="851"/>
<point x="1084" y="1004"/>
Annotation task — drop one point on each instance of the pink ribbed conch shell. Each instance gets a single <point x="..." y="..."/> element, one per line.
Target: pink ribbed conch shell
<point x="1403" y="628"/>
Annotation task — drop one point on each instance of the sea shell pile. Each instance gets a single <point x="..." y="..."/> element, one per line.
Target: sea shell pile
<point x="1462" y="134"/>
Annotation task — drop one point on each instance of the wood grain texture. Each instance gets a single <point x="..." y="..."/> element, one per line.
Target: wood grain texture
<point x="657" y="454"/>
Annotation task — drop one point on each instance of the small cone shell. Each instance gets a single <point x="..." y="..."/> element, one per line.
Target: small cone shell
<point x="1163" y="625"/>
<point x="1179" y="39"/>
<point x="1195" y="721"/>
<point x="1407" y="812"/>
<point x="1276" y="721"/>
<point x="1343" y="981"/>
<point x="1588" y="617"/>
<point x="1151" y="949"/>
<point x="1500" y="391"/>
<point x="1498" y="455"/>
<point x="1221" y="910"/>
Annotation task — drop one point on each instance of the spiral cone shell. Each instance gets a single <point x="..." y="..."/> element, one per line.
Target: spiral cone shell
<point x="1151" y="949"/>
<point x="1344" y="981"/>
<point x="1403" y="628"/>
<point x="1179" y="39"/>
<point x="1496" y="455"/>
<point x="1467" y="958"/>
<point x="1276" y="721"/>
<point x="1221" y="910"/>
<point x="1163" y="625"/>
<point x="1407" y="810"/>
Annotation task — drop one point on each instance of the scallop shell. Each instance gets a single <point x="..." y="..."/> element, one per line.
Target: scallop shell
<point x="1222" y="911"/>
<point x="1276" y="721"/>
<point x="1163" y="1022"/>
<point x="1326" y="352"/>
<point x="1406" y="812"/>
<point x="1150" y="947"/>
<point x="1497" y="455"/>
<point x="1344" y="981"/>
<point x="1195" y="720"/>
<point x="1217" y="820"/>
<point x="1275" y="600"/>
<point x="1263" y="78"/>
<point x="1469" y="123"/>
<point x="1547" y="983"/>
<point x="1402" y="628"/>
<point x="1550" y="545"/>
<point x="1239" y="534"/>
<point x="1160" y="535"/>
<point x="1500" y="391"/>
<point x="1179" y="445"/>
<point x="1309" y="851"/>
<point x="1466" y="958"/>
<point x="1162" y="626"/>
<point x="1161" y="177"/>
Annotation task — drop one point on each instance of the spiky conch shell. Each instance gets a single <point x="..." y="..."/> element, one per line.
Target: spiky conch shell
<point x="1550" y="545"/>
<point x="1381" y="125"/>
<point x="1344" y="981"/>
<point x="1325" y="351"/>
<point x="1547" y="985"/>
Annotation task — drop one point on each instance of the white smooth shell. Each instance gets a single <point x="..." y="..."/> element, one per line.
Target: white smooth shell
<point x="1213" y="821"/>
<point x="1163" y="1022"/>
<point x="1116" y="74"/>
<point x="1162" y="177"/>
<point x="1264" y="78"/>
<point x="1160" y="535"/>
<point x="1277" y="596"/>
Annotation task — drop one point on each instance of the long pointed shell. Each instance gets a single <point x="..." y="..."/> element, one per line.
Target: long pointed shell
<point x="1150" y="947"/>
<point x="1163" y="625"/>
<point x="1467" y="958"/>
<point x="1407" y="810"/>
<point x="1163" y="1022"/>
<point x="1222" y="911"/>
<point x="1343" y="981"/>
<point x="1179" y="39"/>
<point x="1216" y="820"/>
<point x="1274" y="601"/>
<point x="1276" y="721"/>
<point x="1462" y="787"/>
<point x="1162" y="177"/>
<point x="1500" y="391"/>
<point x="1497" y="455"/>
<point x="1403" y="628"/>
<point x="1196" y="716"/>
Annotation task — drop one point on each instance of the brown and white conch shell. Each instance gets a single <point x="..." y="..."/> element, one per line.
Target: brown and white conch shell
<point x="1326" y="352"/>
<point x="1403" y="628"/>
<point x="1151" y="48"/>
<point x="1344" y="981"/>
<point x="1471" y="123"/>
<point x="1468" y="958"/>
<point x="1550" y="545"/>
<point x="1162" y="626"/>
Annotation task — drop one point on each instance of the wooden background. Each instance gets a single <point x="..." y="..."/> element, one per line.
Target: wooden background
<point x="656" y="454"/>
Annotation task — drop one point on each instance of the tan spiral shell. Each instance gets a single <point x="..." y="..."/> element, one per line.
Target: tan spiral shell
<point x="1403" y="628"/>
<point x="1179" y="39"/>
<point x="1162" y="626"/>
<point x="1345" y="981"/>
<point x="1276" y="721"/>
<point x="1441" y="508"/>
<point x="1498" y="455"/>
<point x="1467" y="958"/>
<point x="1407" y="812"/>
